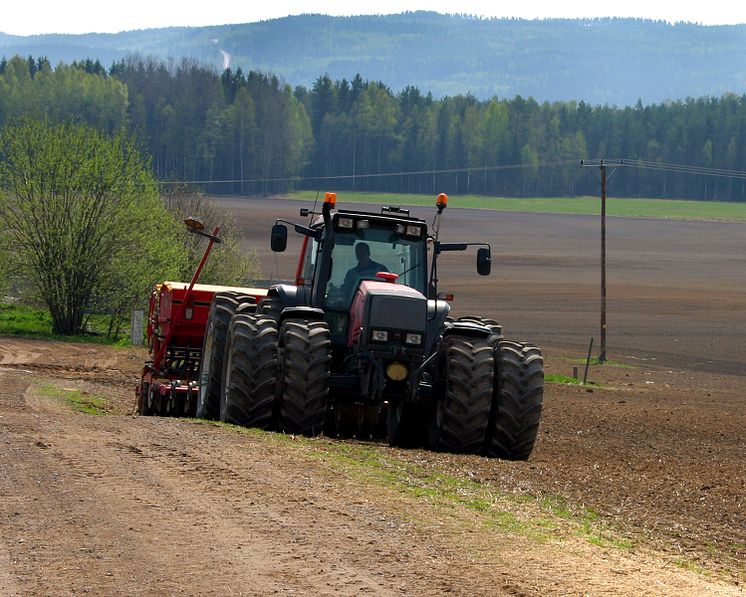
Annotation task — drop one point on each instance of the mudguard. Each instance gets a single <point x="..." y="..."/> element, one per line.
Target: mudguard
<point x="302" y="312"/>
<point x="466" y="328"/>
<point x="290" y="295"/>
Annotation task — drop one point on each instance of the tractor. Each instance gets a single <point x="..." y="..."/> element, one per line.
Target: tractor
<point x="362" y="344"/>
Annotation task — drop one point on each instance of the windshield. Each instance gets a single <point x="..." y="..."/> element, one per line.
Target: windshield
<point x="360" y="255"/>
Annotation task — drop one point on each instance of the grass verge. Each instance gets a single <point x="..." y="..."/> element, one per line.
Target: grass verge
<point x="462" y="499"/>
<point x="31" y="322"/>
<point x="571" y="381"/>
<point x="81" y="402"/>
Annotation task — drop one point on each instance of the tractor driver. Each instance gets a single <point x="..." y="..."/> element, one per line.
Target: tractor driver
<point x="365" y="268"/>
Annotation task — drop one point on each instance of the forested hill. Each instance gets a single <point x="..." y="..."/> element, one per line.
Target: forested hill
<point x="599" y="61"/>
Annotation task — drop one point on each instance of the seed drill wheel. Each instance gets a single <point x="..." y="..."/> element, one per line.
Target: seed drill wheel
<point x="517" y="401"/>
<point x="250" y="373"/>
<point x="463" y="394"/>
<point x="156" y="401"/>
<point x="224" y="305"/>
<point x="143" y="406"/>
<point x="304" y="359"/>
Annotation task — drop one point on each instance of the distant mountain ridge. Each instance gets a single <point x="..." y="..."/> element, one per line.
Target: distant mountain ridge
<point x="600" y="61"/>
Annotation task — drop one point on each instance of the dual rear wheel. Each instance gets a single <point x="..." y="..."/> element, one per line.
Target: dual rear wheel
<point x="275" y="378"/>
<point x="224" y="306"/>
<point x="488" y="397"/>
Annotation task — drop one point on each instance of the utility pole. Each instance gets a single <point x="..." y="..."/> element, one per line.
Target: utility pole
<point x="602" y="354"/>
<point x="602" y="168"/>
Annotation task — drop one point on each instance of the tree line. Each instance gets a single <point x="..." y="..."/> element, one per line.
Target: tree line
<point x="237" y="132"/>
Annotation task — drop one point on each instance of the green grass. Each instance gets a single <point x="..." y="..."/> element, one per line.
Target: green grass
<point x="32" y="322"/>
<point x="539" y="519"/>
<point x="20" y="320"/>
<point x="566" y="379"/>
<point x="645" y="208"/>
<point x="78" y="401"/>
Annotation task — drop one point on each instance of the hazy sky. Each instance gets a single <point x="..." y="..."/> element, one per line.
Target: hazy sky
<point x="86" y="16"/>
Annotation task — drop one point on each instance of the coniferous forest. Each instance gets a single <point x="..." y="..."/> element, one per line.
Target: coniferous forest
<point x="248" y="132"/>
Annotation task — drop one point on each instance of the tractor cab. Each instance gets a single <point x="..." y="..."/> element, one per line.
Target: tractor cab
<point x="387" y="248"/>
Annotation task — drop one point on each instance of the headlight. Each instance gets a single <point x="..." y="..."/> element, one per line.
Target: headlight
<point x="345" y="223"/>
<point x="380" y="336"/>
<point x="413" y="339"/>
<point x="397" y="372"/>
<point x="414" y="231"/>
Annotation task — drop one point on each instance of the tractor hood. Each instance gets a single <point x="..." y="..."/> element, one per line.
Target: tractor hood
<point x="386" y="306"/>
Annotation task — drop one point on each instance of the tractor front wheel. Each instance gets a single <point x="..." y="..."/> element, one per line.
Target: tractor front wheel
<point x="463" y="394"/>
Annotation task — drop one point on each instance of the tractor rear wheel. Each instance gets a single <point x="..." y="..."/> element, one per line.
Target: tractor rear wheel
<point x="517" y="401"/>
<point x="271" y="307"/>
<point x="224" y="305"/>
<point x="463" y="394"/>
<point x="305" y="358"/>
<point x="248" y="394"/>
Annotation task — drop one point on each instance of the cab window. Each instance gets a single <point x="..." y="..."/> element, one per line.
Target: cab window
<point x="360" y="255"/>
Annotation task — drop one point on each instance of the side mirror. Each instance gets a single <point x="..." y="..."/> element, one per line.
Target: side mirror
<point x="484" y="262"/>
<point x="279" y="240"/>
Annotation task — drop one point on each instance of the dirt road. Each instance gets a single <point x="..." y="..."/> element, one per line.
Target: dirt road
<point x="652" y="476"/>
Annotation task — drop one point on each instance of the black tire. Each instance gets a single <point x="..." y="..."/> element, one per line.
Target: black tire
<point x="305" y="358"/>
<point x="271" y="307"/>
<point x="463" y="395"/>
<point x="494" y="326"/>
<point x="224" y="305"/>
<point x="406" y="424"/>
<point x="248" y="396"/>
<point x="157" y="402"/>
<point x="143" y="406"/>
<point x="517" y="401"/>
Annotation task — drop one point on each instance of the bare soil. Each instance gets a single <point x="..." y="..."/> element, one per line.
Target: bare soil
<point x="122" y="505"/>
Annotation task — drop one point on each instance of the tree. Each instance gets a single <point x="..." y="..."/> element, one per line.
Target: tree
<point x="83" y="218"/>
<point x="228" y="265"/>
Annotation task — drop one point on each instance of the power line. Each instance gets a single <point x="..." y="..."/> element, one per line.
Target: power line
<point x="374" y="175"/>
<point x="632" y="163"/>
<point x="685" y="169"/>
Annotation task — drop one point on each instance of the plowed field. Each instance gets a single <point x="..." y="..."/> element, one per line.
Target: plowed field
<point x="636" y="486"/>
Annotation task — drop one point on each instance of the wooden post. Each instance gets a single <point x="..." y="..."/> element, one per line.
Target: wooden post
<point x="587" y="361"/>
<point x="138" y="316"/>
